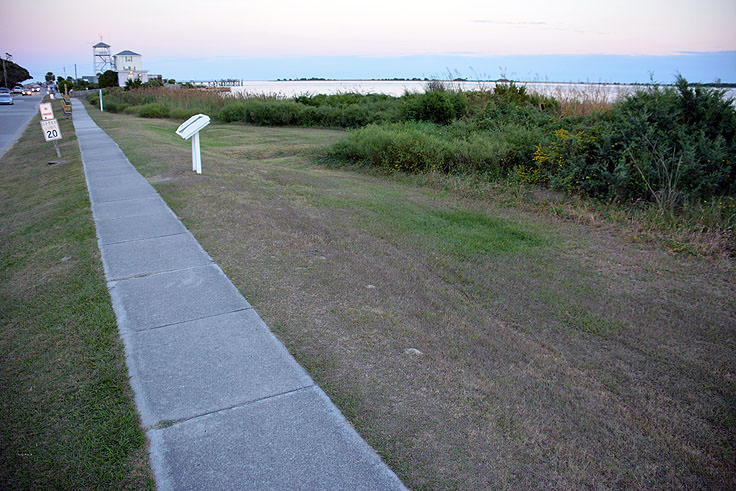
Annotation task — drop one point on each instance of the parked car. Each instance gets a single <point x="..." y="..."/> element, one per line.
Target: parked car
<point x="6" y="97"/>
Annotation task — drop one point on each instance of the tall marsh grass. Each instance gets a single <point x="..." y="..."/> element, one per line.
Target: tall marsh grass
<point x="575" y="101"/>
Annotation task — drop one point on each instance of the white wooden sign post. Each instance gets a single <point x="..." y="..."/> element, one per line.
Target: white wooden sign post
<point x="190" y="129"/>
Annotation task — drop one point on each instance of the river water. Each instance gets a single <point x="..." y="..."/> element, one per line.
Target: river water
<point x="608" y="92"/>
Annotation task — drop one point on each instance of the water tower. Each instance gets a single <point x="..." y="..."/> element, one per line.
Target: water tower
<point x="101" y="58"/>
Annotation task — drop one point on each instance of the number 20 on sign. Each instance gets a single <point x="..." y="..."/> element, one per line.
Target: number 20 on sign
<point x="51" y="130"/>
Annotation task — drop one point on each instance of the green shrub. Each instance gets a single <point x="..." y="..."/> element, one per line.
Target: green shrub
<point x="666" y="145"/>
<point x="183" y="114"/>
<point x="114" y="107"/>
<point x="133" y="83"/>
<point x="272" y="113"/>
<point x="435" y="106"/>
<point x="153" y="110"/>
<point x="234" y="111"/>
<point x="418" y="147"/>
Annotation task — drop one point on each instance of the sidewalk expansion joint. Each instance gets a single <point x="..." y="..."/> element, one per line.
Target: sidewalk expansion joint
<point x="162" y="326"/>
<point x="97" y="202"/>
<point x="167" y="423"/>
<point x="143" y="238"/>
<point x="111" y="281"/>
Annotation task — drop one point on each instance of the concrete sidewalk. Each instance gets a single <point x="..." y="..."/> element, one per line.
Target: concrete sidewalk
<point x="224" y="404"/>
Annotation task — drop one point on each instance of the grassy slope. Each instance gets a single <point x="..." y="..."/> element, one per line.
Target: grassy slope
<point x="67" y="418"/>
<point x="554" y="354"/>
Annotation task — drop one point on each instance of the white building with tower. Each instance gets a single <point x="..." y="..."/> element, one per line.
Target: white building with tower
<point x="101" y="59"/>
<point x="129" y="66"/>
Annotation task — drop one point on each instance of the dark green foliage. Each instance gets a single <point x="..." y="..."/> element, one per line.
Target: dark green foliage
<point x="115" y="107"/>
<point x="81" y="84"/>
<point x="667" y="145"/>
<point x="153" y="110"/>
<point x="341" y="110"/>
<point x="183" y="114"/>
<point x="64" y="84"/>
<point x="13" y="74"/>
<point x="232" y="112"/>
<point x="272" y="113"/>
<point x="436" y="106"/>
<point x="418" y="147"/>
<point x="516" y="95"/>
<point x="133" y="83"/>
<point x="108" y="79"/>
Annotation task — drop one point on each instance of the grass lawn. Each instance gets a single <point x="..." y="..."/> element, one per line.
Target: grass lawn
<point x="67" y="417"/>
<point x="473" y="344"/>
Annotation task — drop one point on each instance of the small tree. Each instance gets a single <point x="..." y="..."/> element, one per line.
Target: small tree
<point x="81" y="84"/>
<point x="133" y="83"/>
<point x="64" y="83"/>
<point x="49" y="77"/>
<point x="108" y="79"/>
<point x="154" y="82"/>
<point x="13" y="73"/>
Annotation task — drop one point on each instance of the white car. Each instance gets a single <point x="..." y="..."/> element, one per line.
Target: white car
<point x="5" y="96"/>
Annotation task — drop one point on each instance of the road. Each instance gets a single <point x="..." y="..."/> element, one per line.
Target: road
<point x="15" y="118"/>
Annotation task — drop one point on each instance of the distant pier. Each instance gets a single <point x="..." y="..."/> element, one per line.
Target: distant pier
<point x="226" y="82"/>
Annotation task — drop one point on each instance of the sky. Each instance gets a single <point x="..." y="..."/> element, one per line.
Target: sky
<point x="564" y="40"/>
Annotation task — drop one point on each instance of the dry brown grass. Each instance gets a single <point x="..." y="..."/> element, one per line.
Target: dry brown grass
<point x="576" y="101"/>
<point x="587" y="360"/>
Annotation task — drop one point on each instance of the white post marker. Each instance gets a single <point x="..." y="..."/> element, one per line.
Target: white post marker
<point x="190" y="129"/>
<point x="101" y="110"/>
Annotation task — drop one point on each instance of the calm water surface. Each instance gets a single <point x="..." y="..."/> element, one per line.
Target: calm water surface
<point x="398" y="88"/>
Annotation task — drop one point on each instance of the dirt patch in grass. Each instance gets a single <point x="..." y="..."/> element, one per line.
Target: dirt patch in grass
<point x="67" y="417"/>
<point x="472" y="343"/>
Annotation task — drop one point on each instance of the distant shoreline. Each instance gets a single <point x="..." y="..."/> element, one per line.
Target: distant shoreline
<point x="724" y="85"/>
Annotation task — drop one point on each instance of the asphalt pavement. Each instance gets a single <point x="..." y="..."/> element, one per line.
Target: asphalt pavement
<point x="15" y="118"/>
<point x="223" y="403"/>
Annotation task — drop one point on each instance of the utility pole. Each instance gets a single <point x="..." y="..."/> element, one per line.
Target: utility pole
<point x="8" y="56"/>
<point x="75" y="73"/>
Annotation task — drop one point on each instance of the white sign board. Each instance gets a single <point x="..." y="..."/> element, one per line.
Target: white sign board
<point x="190" y="129"/>
<point x="46" y="111"/>
<point x="51" y="130"/>
<point x="192" y="126"/>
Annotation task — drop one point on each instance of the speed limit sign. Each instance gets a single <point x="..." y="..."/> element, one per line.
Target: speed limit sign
<point x="51" y="130"/>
